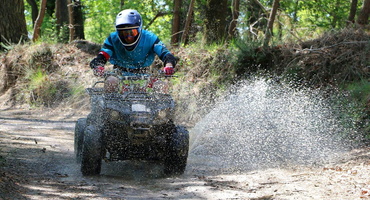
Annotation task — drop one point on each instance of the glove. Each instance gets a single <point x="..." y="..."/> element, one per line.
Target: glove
<point x="99" y="71"/>
<point x="168" y="69"/>
<point x="100" y="60"/>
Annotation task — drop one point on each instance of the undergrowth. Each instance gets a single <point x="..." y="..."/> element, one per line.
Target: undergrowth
<point x="49" y="74"/>
<point x="44" y="75"/>
<point x="337" y="60"/>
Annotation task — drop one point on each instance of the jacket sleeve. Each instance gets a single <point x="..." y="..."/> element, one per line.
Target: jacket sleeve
<point x="107" y="49"/>
<point x="163" y="53"/>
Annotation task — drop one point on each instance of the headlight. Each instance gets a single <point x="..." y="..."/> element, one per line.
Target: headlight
<point x="162" y="114"/>
<point x="139" y="108"/>
<point x="114" y="115"/>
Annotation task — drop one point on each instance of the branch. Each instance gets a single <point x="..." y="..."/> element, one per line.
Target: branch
<point x="331" y="46"/>
<point x="159" y="14"/>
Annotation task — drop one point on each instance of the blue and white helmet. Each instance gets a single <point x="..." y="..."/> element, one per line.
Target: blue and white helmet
<point x="129" y="20"/>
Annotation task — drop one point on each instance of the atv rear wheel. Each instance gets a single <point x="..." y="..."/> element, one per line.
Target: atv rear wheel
<point x="91" y="156"/>
<point x="178" y="148"/>
<point x="79" y="137"/>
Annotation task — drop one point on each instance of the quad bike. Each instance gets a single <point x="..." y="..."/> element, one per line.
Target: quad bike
<point x="134" y="124"/>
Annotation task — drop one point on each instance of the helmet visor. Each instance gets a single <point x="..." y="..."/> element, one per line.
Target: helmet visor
<point x="126" y="33"/>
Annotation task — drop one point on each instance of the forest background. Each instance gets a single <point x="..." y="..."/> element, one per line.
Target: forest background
<point x="316" y="43"/>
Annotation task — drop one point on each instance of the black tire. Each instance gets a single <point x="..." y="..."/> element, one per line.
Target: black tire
<point x="91" y="157"/>
<point x="79" y="137"/>
<point x="178" y="148"/>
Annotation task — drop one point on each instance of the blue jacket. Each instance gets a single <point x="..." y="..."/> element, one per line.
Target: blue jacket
<point x="141" y="56"/>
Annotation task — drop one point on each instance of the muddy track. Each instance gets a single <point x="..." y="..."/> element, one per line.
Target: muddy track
<point x="37" y="162"/>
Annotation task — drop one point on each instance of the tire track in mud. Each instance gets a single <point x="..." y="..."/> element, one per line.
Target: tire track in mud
<point x="38" y="147"/>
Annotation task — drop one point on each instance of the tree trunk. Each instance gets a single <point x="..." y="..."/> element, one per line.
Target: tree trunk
<point x="176" y="23"/>
<point x="215" y="22"/>
<point x="78" y="20"/>
<point x="122" y="4"/>
<point x="39" y="20"/>
<point x="352" y="12"/>
<point x="269" y="29"/>
<point x="235" y="14"/>
<point x="295" y="16"/>
<point x="13" y="22"/>
<point x="363" y="17"/>
<point x="335" y="21"/>
<point x="34" y="11"/>
<point x="187" y="23"/>
<point x="71" y="21"/>
<point x="62" y="20"/>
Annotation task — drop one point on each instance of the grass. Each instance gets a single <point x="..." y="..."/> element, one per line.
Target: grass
<point x="41" y="90"/>
<point x="360" y="91"/>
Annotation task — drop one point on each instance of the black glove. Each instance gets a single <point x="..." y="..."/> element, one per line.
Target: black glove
<point x="98" y="61"/>
<point x="169" y="58"/>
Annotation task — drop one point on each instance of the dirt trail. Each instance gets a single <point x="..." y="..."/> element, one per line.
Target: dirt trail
<point x="39" y="164"/>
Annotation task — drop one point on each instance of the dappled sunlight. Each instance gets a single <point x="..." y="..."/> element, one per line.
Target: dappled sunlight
<point x="55" y="190"/>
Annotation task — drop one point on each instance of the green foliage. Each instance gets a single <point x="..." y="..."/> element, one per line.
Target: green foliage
<point x="36" y="78"/>
<point x="101" y="15"/>
<point x="296" y="20"/>
<point x="37" y="82"/>
<point x="329" y="14"/>
<point x="360" y="91"/>
<point x="248" y="56"/>
<point x="42" y="90"/>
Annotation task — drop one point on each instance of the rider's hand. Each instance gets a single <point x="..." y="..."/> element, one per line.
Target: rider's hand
<point x="168" y="69"/>
<point x="99" y="71"/>
<point x="100" y="60"/>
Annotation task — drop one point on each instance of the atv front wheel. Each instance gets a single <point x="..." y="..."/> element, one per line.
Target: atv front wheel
<point x="91" y="156"/>
<point x="175" y="162"/>
<point x="79" y="137"/>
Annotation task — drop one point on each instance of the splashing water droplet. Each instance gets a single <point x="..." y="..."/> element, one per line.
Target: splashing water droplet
<point x="264" y="125"/>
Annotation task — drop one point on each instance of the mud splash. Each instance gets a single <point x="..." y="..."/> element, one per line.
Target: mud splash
<point x="262" y="125"/>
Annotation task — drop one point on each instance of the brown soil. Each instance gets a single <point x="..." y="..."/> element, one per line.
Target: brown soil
<point x="37" y="162"/>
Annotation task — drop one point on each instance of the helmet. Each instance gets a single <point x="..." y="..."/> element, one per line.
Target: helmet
<point x="128" y="25"/>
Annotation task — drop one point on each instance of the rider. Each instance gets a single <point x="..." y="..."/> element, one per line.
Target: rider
<point x="131" y="49"/>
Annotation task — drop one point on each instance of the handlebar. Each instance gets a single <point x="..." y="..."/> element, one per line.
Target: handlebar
<point x="136" y="82"/>
<point x="136" y="77"/>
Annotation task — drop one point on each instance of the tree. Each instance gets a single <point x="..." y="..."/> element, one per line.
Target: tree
<point x="39" y="20"/>
<point x="216" y="14"/>
<point x="352" y="12"/>
<point x="176" y="22"/>
<point x="256" y="15"/>
<point x="122" y="4"/>
<point x="78" y="20"/>
<point x="363" y="17"/>
<point x="235" y="14"/>
<point x="71" y="21"/>
<point x="34" y="11"/>
<point x="12" y="24"/>
<point x="184" y="38"/>
<point x="62" y="20"/>
<point x="270" y="24"/>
